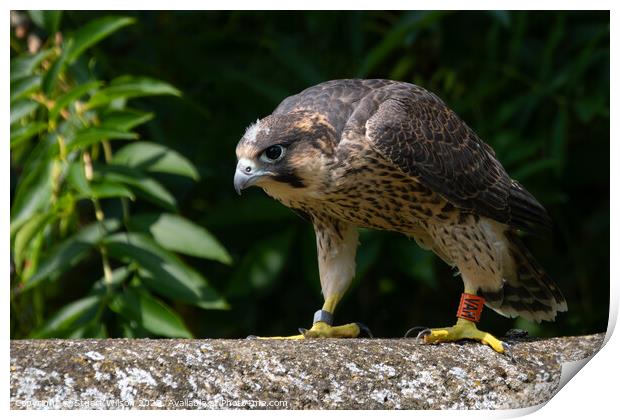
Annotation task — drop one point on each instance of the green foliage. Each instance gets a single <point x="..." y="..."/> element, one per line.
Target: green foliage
<point x="152" y="157"/>
<point x="534" y="85"/>
<point x="93" y="32"/>
<point x="69" y="184"/>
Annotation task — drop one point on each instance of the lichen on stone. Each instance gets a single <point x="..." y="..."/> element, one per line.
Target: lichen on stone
<point x="272" y="374"/>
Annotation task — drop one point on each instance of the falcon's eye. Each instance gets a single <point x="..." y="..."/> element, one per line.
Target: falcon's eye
<point x="273" y="153"/>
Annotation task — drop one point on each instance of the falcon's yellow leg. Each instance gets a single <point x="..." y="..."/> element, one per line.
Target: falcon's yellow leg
<point x="462" y="330"/>
<point x="324" y="330"/>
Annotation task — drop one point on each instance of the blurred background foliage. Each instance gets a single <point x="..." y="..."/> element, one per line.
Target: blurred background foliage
<point x="118" y="238"/>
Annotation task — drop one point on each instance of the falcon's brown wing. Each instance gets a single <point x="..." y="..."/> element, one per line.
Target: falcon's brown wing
<point x="418" y="133"/>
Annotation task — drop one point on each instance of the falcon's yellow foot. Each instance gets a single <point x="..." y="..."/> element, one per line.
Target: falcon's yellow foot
<point x="323" y="330"/>
<point x="462" y="330"/>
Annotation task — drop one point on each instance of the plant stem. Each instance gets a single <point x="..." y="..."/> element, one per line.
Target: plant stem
<point x="107" y="151"/>
<point x="107" y="154"/>
<point x="88" y="173"/>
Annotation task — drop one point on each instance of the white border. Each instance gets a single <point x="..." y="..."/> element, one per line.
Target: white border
<point x="592" y="393"/>
<point x="311" y="5"/>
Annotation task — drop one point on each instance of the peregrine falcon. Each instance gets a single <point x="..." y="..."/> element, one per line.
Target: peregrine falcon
<point x="390" y="155"/>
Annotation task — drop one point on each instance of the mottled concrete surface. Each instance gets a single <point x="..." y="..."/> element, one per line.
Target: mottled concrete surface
<point x="345" y="373"/>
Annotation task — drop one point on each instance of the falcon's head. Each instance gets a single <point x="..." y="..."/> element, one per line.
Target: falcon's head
<point x="284" y="152"/>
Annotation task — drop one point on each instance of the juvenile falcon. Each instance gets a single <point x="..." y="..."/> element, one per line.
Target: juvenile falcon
<point x="390" y="155"/>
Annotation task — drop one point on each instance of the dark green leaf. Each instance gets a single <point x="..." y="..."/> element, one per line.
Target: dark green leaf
<point x="33" y="192"/>
<point x="127" y="87"/>
<point x="131" y="329"/>
<point x="152" y="157"/>
<point x="21" y="109"/>
<point x="290" y="56"/>
<point x="93" y="32"/>
<point x="410" y="24"/>
<point x="71" y="96"/>
<point x="162" y="271"/>
<point x="44" y="151"/>
<point x="262" y="265"/>
<point x="92" y="135"/>
<point x="512" y="157"/>
<point x="176" y="233"/>
<point x="98" y="189"/>
<point x="535" y="167"/>
<point x="92" y="329"/>
<point x="110" y="189"/>
<point x="142" y="185"/>
<point x="25" y="64"/>
<point x="69" y="317"/>
<point x="46" y="19"/>
<point x="25" y="234"/>
<point x="251" y="210"/>
<point x="558" y="143"/>
<point x="77" y="178"/>
<point x="21" y="88"/>
<point x="119" y="275"/>
<point x="71" y="251"/>
<point x="403" y="67"/>
<point x="51" y="77"/>
<point x="368" y="253"/>
<point x="413" y="261"/>
<point x="26" y="132"/>
<point x="590" y="107"/>
<point x="126" y="119"/>
<point x="270" y="90"/>
<point x="150" y="313"/>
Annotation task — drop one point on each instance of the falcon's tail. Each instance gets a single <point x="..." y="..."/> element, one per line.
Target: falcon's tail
<point x="528" y="291"/>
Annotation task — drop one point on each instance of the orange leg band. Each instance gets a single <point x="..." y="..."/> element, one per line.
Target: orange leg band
<point x="470" y="307"/>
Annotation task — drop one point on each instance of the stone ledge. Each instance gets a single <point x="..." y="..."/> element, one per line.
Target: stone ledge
<point x="312" y="374"/>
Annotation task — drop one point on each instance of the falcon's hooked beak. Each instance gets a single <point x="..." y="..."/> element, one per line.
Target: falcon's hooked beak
<point x="247" y="174"/>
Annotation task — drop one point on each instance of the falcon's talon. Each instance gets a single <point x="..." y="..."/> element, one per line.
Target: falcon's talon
<point x="414" y="329"/>
<point x="508" y="351"/>
<point x="323" y="330"/>
<point x="364" y="328"/>
<point x="463" y="330"/>
<point x="422" y="335"/>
